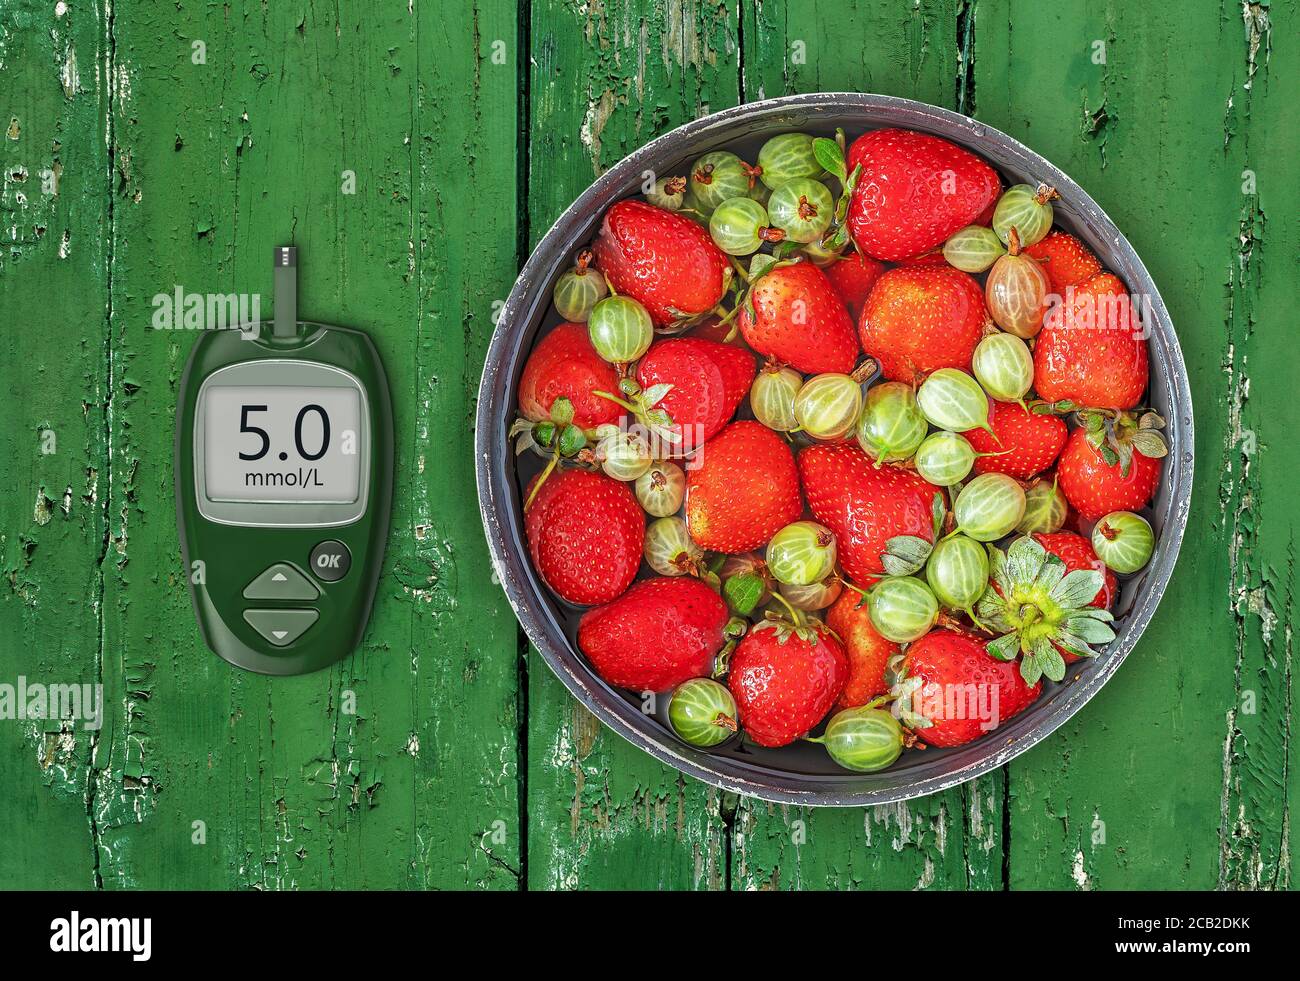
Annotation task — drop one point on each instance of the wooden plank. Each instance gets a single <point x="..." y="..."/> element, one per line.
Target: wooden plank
<point x="53" y="295"/>
<point x="1177" y="775"/>
<point x="949" y="840"/>
<point x="606" y="77"/>
<point x="216" y="162"/>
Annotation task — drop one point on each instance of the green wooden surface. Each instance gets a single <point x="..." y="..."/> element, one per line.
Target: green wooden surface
<point x="469" y="128"/>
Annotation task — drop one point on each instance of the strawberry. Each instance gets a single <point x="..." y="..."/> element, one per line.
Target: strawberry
<point x="663" y="260"/>
<point x="1095" y="487"/>
<point x="853" y="276"/>
<point x="1091" y="351"/>
<point x="1065" y="259"/>
<point x="952" y="692"/>
<point x="868" y="652"/>
<point x="785" y="676"/>
<point x="920" y="318"/>
<point x="934" y="257"/>
<point x="709" y="380"/>
<point x="565" y="365"/>
<point x="658" y="634"/>
<point x="865" y="506"/>
<point x="794" y="314"/>
<point x="745" y="490"/>
<point x="585" y="533"/>
<point x="1033" y="441"/>
<point x="914" y="191"/>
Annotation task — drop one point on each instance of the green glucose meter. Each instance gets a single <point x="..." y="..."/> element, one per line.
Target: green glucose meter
<point x="284" y="475"/>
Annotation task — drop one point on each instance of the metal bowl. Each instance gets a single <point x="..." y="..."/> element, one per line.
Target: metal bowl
<point x="792" y="776"/>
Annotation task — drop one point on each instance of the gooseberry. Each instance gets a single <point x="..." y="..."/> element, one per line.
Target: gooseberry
<point x="865" y="739"/>
<point x="945" y="458"/>
<point x="902" y="608"/>
<point x="702" y="713"/>
<point x="1124" y="541"/>
<point x="1004" y="367"/>
<point x="891" y="425"/>
<point x="801" y="553"/>
<point x="990" y="506"/>
<point x="816" y="596"/>
<point x="1026" y="208"/>
<point x="952" y="399"/>
<point x="620" y="329"/>
<point x="828" y="405"/>
<point x="973" y="249"/>
<point x="787" y="157"/>
<point x="1045" y="509"/>
<point x="669" y="548"/>
<point x="802" y="209"/>
<point x="958" y="572"/>
<point x="717" y="177"/>
<point x="623" y="455"/>
<point x="661" y="489"/>
<point x="578" y="290"/>
<point x="772" y="396"/>
<point x="668" y="193"/>
<point x="740" y="225"/>
<point x="1016" y="291"/>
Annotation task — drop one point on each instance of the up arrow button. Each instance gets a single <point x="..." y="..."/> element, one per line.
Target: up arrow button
<point x="282" y="583"/>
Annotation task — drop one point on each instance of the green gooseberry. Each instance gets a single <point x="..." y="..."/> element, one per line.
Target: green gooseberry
<point x="772" y="396"/>
<point x="815" y="596"/>
<point x="945" y="458"/>
<point x="717" y="177"/>
<point x="958" y="572"/>
<point x="1124" y="541"/>
<point x="891" y="425"/>
<point x="1027" y="209"/>
<point x="902" y="608"/>
<point x="828" y="405"/>
<point x="864" y="739"/>
<point x="787" y="157"/>
<point x="620" y="329"/>
<point x="989" y="507"/>
<point x="578" y="290"/>
<point x="739" y="226"/>
<point x="623" y="455"/>
<point x="668" y="193"/>
<point x="973" y="249"/>
<point x="802" y="208"/>
<point x="669" y="548"/>
<point x="801" y="553"/>
<point x="661" y="489"/>
<point x="702" y="713"/>
<point x="952" y="399"/>
<point x="1004" y="367"/>
<point x="1045" y="509"/>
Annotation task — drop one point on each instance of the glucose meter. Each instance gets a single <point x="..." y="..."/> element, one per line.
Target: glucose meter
<point x="284" y="473"/>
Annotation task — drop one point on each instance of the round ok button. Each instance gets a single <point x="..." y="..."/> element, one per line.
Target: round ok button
<point x="330" y="561"/>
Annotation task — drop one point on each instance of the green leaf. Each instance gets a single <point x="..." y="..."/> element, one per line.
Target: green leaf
<point x="937" y="513"/>
<point x="1053" y="571"/>
<point x="1150" y="443"/>
<point x="1004" y="648"/>
<point x="1078" y="588"/>
<point x="1030" y="669"/>
<point x="1025" y="558"/>
<point x="760" y="265"/>
<point x="905" y="554"/>
<point x="831" y="157"/>
<point x="1090" y="631"/>
<point x="992" y="609"/>
<point x="1075" y="645"/>
<point x="1049" y="659"/>
<point x="998" y="569"/>
<point x="743" y="592"/>
<point x="655" y="393"/>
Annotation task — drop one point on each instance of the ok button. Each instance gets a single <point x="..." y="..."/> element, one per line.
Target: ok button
<point x="330" y="561"/>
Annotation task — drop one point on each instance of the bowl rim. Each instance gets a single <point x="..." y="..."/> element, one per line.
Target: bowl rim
<point x="517" y="319"/>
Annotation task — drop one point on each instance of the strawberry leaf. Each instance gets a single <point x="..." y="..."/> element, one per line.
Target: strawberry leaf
<point x="937" y="513"/>
<point x="1078" y="588"/>
<point x="1150" y="443"/>
<point x="1004" y="648"/>
<point x="1025" y="559"/>
<point x="830" y="157"/>
<point x="905" y="554"/>
<point x="655" y="393"/>
<point x="743" y="592"/>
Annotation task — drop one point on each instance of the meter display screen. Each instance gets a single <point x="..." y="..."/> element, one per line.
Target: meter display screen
<point x="282" y="444"/>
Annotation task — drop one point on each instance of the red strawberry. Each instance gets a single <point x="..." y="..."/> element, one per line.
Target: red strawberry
<point x="1077" y="554"/>
<point x="785" y="679"/>
<point x="658" y="634"/>
<point x="934" y="257"/>
<point x="564" y="364"/>
<point x="800" y="320"/>
<point x="920" y="318"/>
<point x="745" y="490"/>
<point x="709" y="380"/>
<point x="713" y="329"/>
<point x="1065" y="259"/>
<point x="864" y="505"/>
<point x="585" y="534"/>
<point x="853" y="276"/>
<point x="1095" y="487"/>
<point x="1091" y="350"/>
<point x="867" y="651"/>
<point x="950" y="679"/>
<point x="1034" y="441"/>
<point x="914" y="191"/>
<point x="664" y="260"/>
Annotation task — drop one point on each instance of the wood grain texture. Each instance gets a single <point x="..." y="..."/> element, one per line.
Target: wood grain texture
<point x="469" y="127"/>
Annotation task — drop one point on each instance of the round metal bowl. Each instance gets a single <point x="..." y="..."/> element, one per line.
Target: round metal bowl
<point x="550" y="624"/>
